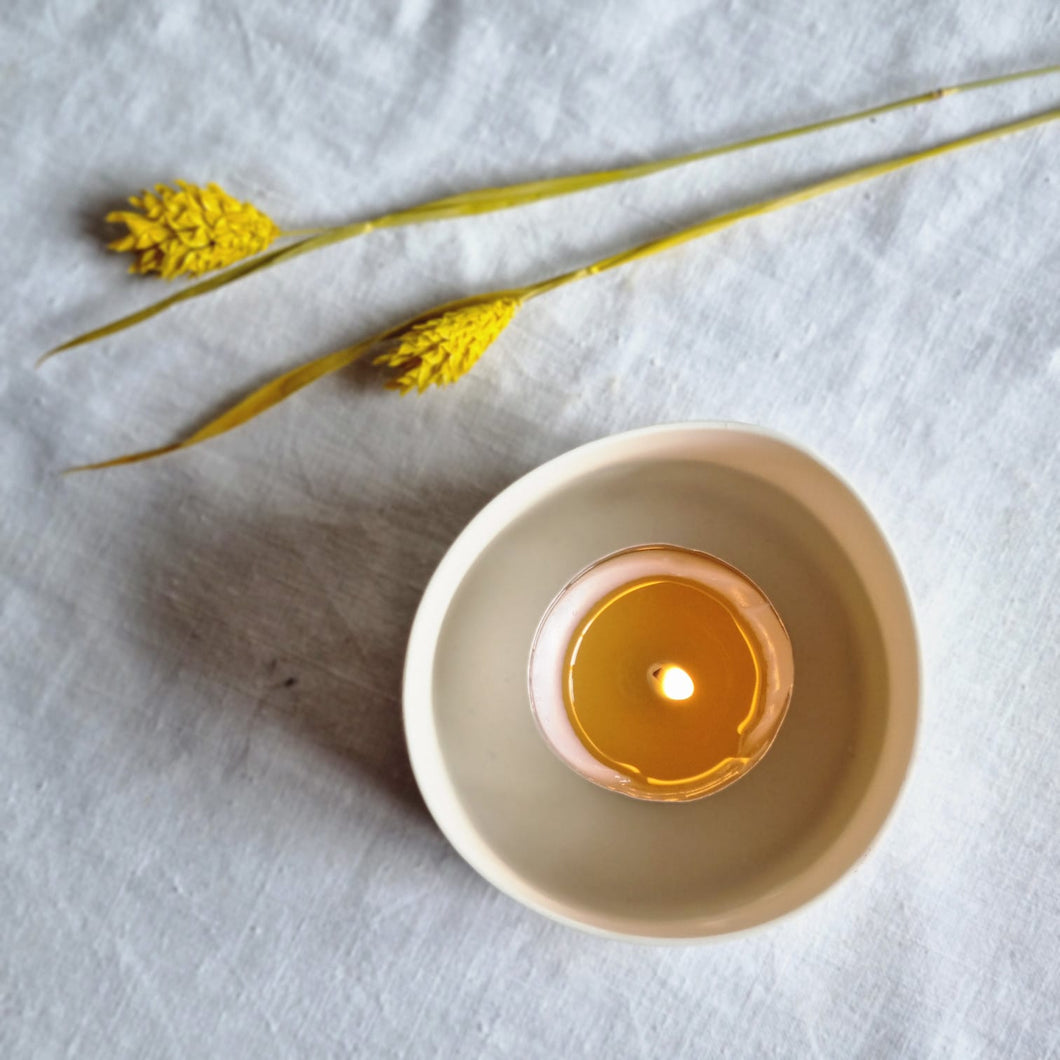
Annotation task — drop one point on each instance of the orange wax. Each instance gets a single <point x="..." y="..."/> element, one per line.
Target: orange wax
<point x="660" y="672"/>
<point x="663" y="678"/>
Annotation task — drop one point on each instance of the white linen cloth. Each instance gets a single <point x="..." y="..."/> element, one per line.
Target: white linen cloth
<point x="210" y="841"/>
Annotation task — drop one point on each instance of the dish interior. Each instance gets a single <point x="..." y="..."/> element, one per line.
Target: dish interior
<point x="593" y="855"/>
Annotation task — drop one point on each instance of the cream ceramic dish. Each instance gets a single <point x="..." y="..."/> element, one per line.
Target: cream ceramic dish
<point x="770" y="842"/>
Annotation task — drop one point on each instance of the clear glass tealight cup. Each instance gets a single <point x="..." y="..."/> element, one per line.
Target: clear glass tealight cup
<point x="660" y="672"/>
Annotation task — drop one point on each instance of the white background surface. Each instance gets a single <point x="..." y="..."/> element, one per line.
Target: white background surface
<point x="210" y="842"/>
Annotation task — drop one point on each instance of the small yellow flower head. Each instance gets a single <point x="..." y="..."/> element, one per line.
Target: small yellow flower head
<point x="191" y="230"/>
<point x="443" y="348"/>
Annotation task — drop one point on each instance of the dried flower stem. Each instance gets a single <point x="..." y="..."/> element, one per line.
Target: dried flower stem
<point x="811" y="191"/>
<point x="275" y="391"/>
<point x="502" y="198"/>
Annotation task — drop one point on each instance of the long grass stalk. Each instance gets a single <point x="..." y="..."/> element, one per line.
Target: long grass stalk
<point x="507" y="197"/>
<point x="440" y="344"/>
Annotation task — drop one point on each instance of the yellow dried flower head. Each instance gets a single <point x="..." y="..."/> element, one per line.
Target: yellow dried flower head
<point x="191" y="230"/>
<point x="442" y="348"/>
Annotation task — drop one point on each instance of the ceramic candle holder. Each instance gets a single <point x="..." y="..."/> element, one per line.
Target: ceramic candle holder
<point x="760" y="847"/>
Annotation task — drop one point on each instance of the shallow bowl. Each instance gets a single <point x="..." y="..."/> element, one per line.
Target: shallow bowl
<point x="753" y="852"/>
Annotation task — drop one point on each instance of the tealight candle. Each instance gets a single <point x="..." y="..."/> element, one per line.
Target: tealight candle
<point x="660" y="672"/>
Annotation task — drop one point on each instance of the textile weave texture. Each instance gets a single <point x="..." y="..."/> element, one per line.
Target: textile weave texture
<point x="210" y="840"/>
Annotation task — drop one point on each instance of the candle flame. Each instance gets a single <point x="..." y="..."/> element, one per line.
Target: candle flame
<point x="674" y="683"/>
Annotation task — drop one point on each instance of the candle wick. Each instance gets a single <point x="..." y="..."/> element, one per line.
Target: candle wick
<point x="672" y="681"/>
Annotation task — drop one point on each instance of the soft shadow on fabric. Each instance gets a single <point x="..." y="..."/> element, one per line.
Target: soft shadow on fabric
<point x="302" y="622"/>
<point x="91" y="217"/>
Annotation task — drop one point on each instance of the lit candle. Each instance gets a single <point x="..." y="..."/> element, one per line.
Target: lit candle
<point x="660" y="672"/>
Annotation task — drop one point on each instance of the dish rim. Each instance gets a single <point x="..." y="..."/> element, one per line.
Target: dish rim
<point x="839" y="508"/>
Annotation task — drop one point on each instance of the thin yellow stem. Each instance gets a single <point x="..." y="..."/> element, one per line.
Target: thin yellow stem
<point x="486" y="200"/>
<point x="810" y="191"/>
<point x="280" y="388"/>
<point x="301" y="233"/>
<point x="237" y="272"/>
<point x="252" y="405"/>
